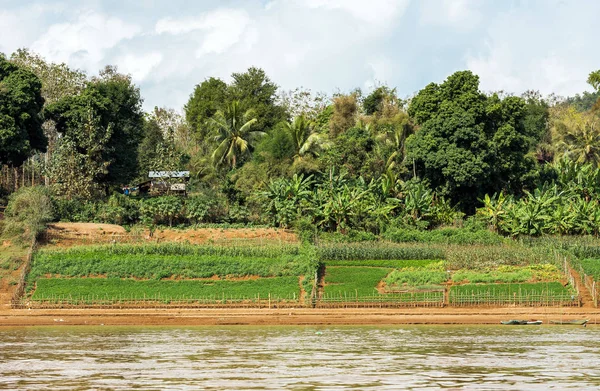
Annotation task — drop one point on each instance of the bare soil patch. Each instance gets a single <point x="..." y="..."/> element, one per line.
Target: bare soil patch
<point x="74" y="234"/>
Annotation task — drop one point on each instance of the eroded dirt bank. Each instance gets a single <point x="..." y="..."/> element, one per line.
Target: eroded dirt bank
<point x="300" y="316"/>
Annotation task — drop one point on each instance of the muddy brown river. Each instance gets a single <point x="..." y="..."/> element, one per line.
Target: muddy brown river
<point x="300" y="358"/>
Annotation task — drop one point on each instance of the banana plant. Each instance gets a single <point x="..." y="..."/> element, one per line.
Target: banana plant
<point x="494" y="209"/>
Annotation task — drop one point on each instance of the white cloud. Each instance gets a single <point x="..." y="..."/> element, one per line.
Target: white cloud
<point x="373" y="11"/>
<point x="217" y="31"/>
<point x="547" y="48"/>
<point x="84" y="42"/>
<point x="139" y="67"/>
<point x="19" y="26"/>
<point x="459" y="14"/>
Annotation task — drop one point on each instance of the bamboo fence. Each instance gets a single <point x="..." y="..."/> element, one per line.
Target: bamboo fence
<point x="124" y="302"/>
<point x="407" y="299"/>
<point x="20" y="290"/>
<point x="522" y="299"/>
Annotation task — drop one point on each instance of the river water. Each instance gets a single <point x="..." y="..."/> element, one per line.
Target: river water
<point x="301" y="358"/>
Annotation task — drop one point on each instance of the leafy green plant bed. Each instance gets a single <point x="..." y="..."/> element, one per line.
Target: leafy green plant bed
<point x="283" y="288"/>
<point x="353" y="281"/>
<point x="411" y="277"/>
<point x="509" y="274"/>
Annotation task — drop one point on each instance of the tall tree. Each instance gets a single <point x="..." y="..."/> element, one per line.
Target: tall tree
<point x="254" y="90"/>
<point x="58" y="80"/>
<point x="345" y="108"/>
<point x="117" y="104"/>
<point x="576" y="135"/>
<point x="79" y="165"/>
<point x="208" y="97"/>
<point x="594" y="79"/>
<point x="234" y="134"/>
<point x="468" y="144"/>
<point x="21" y="102"/>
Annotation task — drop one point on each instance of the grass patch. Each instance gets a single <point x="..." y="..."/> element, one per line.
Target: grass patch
<point x="352" y="281"/>
<point x="114" y="289"/>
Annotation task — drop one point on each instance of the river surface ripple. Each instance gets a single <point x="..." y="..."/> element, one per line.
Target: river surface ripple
<point x="300" y="358"/>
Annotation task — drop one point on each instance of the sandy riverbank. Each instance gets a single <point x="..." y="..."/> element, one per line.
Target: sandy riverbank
<point x="300" y="316"/>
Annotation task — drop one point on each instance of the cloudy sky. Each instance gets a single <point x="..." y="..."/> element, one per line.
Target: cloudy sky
<point x="325" y="45"/>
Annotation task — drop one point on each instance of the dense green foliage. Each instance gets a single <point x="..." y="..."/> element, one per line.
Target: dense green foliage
<point x="348" y="166"/>
<point x="20" y="120"/>
<point x="104" y="124"/>
<point x="90" y="289"/>
<point x="469" y="144"/>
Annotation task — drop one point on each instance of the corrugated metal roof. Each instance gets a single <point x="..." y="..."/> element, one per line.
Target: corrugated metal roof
<point x="169" y="174"/>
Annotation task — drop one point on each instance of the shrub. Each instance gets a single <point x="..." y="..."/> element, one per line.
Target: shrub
<point x="27" y="213"/>
<point x="306" y="230"/>
<point x="161" y="210"/>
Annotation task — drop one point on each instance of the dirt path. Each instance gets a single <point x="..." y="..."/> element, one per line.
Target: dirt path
<point x="587" y="300"/>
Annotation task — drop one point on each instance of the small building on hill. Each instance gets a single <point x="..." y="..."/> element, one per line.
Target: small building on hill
<point x="162" y="182"/>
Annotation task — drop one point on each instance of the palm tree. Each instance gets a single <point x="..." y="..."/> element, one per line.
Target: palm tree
<point x="306" y="140"/>
<point x="234" y="135"/>
<point x="578" y="136"/>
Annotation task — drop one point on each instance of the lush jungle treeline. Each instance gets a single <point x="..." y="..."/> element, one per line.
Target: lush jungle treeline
<point x="362" y="163"/>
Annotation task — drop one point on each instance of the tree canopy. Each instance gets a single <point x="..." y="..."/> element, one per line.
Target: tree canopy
<point x="468" y="144"/>
<point x="21" y="103"/>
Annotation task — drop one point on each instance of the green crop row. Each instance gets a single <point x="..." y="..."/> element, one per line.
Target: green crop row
<point x="377" y="251"/>
<point x="388" y="263"/>
<point x="178" y="249"/>
<point x="129" y="289"/>
<point x="157" y="266"/>
<point x="443" y="236"/>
